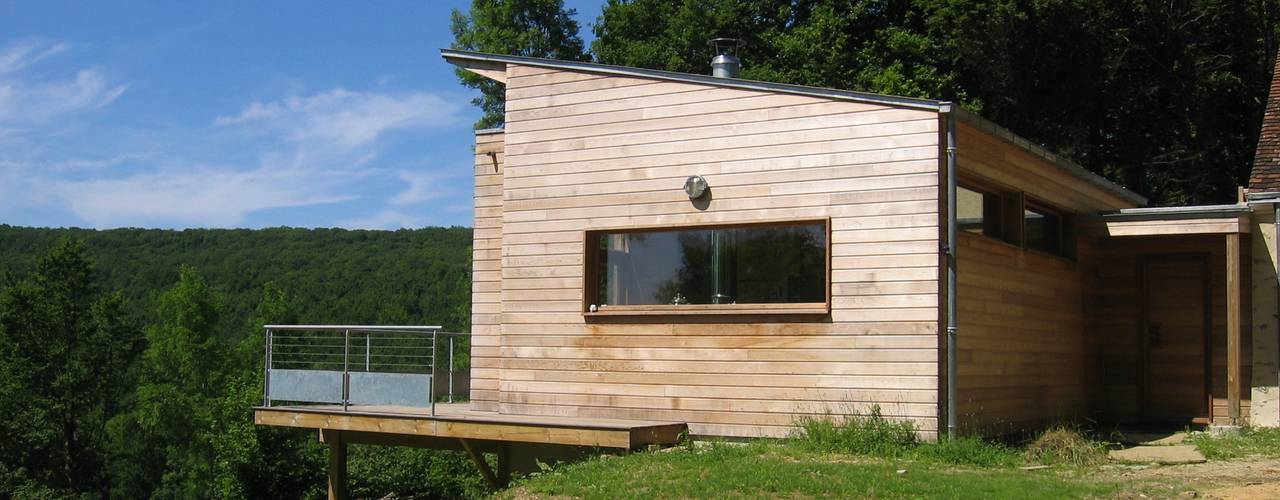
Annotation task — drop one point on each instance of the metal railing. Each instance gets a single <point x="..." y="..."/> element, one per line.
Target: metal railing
<point x="357" y="364"/>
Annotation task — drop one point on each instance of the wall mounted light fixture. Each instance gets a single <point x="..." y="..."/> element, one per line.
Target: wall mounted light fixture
<point x="695" y="186"/>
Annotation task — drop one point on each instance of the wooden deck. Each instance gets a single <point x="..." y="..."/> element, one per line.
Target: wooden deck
<point x="459" y="421"/>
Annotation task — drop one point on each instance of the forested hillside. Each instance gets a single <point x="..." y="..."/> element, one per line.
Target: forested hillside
<point x="420" y="276"/>
<point x="130" y="359"/>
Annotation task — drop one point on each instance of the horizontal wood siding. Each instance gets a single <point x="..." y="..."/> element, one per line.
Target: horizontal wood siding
<point x="1025" y="358"/>
<point x="586" y="151"/>
<point x="1021" y="343"/>
<point x="486" y="281"/>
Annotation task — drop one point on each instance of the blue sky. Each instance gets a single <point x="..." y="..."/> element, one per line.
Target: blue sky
<point x="221" y="114"/>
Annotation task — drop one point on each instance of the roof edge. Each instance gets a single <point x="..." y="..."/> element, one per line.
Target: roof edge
<point x="888" y="100"/>
<point x="1176" y="213"/>
<point x="1069" y="166"/>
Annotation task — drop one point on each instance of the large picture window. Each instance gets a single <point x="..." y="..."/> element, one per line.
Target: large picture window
<point x="708" y="268"/>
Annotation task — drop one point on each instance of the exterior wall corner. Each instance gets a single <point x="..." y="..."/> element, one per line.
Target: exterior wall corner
<point x="1264" y="410"/>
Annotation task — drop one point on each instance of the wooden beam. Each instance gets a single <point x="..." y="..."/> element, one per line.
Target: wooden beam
<point x="478" y="459"/>
<point x="490" y="70"/>
<point x="1176" y="227"/>
<point x="337" y="463"/>
<point x="1233" y="327"/>
<point x="524" y="429"/>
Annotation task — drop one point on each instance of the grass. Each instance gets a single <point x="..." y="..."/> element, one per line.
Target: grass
<point x="784" y="470"/>
<point x="1250" y="442"/>
<point x="862" y="434"/>
<point x="873" y="435"/>
<point x="854" y="456"/>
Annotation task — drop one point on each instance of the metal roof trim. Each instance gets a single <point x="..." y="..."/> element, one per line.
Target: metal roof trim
<point x="1176" y="213"/>
<point x="887" y="100"/>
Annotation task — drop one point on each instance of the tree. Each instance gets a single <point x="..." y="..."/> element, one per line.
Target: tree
<point x="879" y="46"/>
<point x="1162" y="97"/>
<point x="65" y="352"/>
<point x="179" y="422"/>
<point x="183" y="374"/>
<point x="534" y="28"/>
<point x="254" y="460"/>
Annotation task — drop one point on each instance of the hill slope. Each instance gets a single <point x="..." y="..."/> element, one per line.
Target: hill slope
<point x="419" y="276"/>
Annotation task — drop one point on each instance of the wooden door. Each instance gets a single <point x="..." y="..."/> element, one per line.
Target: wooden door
<point x="1175" y="339"/>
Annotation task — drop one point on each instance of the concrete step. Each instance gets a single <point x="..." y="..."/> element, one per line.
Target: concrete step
<point x="1163" y="454"/>
<point x="1154" y="438"/>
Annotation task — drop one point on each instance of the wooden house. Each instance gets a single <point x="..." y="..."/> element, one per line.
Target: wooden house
<point x="598" y="278"/>
<point x="659" y="251"/>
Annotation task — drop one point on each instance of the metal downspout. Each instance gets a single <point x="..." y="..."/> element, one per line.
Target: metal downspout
<point x="951" y="273"/>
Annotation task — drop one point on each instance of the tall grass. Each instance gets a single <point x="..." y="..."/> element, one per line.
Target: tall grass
<point x="861" y="434"/>
<point x="872" y="434"/>
<point x="1066" y="446"/>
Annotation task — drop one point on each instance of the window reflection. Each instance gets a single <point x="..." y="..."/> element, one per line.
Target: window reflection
<point x="1042" y="230"/>
<point x="732" y="265"/>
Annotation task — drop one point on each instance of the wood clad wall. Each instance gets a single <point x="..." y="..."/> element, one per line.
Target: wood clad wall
<point x="1024" y="356"/>
<point x="486" y="278"/>
<point x="587" y="151"/>
<point x="1021" y="344"/>
<point x="1118" y="301"/>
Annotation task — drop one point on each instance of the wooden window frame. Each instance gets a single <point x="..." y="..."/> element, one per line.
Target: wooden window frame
<point x="1066" y="244"/>
<point x="1010" y="202"/>
<point x="1000" y="196"/>
<point x="590" y="275"/>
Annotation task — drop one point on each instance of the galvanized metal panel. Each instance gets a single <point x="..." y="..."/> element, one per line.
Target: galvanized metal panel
<point x="398" y="389"/>
<point x="309" y="386"/>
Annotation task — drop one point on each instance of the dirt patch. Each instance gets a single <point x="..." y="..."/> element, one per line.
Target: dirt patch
<point x="1245" y="479"/>
<point x="1266" y="491"/>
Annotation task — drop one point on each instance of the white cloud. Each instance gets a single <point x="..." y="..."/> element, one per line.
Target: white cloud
<point x="26" y="102"/>
<point x="302" y="150"/>
<point x="423" y="186"/>
<point x="217" y="197"/>
<point x="23" y="54"/>
<point x="345" y="118"/>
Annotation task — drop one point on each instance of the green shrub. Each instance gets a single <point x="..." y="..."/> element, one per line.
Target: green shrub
<point x="968" y="451"/>
<point x="404" y="472"/>
<point x="1062" y="445"/>
<point x="862" y="434"/>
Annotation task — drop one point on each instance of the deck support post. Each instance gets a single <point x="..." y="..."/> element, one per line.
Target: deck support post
<point x="337" y="463"/>
<point x="478" y="458"/>
<point x="504" y="463"/>
<point x="1233" y="327"/>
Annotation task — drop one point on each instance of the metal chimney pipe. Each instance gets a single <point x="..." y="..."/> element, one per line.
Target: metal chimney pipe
<point x="726" y="63"/>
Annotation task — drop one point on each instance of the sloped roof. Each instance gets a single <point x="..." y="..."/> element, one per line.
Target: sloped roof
<point x="1265" y="175"/>
<point x="467" y="58"/>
